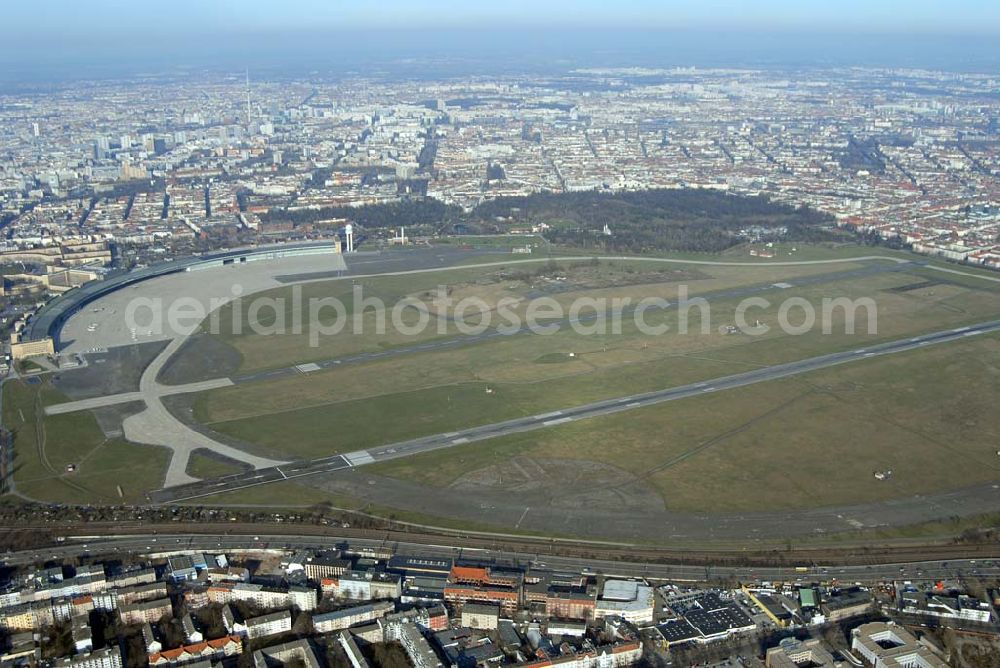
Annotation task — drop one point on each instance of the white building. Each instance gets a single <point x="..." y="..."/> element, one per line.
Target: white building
<point x="963" y="607"/>
<point x="886" y="645"/>
<point x="479" y="616"/>
<point x="417" y="648"/>
<point x="109" y="657"/>
<point x="269" y="625"/>
<point x="342" y="619"/>
<point x="628" y="599"/>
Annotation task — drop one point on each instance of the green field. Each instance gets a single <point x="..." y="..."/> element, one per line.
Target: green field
<point x="808" y="441"/>
<point x="205" y="466"/>
<point x="515" y="279"/>
<point x="433" y="392"/>
<point x="43" y="447"/>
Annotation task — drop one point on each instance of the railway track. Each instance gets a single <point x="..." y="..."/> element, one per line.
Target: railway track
<point x="846" y="555"/>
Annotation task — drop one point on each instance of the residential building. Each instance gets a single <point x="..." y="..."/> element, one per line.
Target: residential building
<point x="296" y="652"/>
<point x="109" y="657"/>
<point x="342" y="619"/>
<point x="570" y="603"/>
<point x="269" y="625"/>
<point x="352" y="651"/>
<point x="479" y="616"/>
<point x="608" y="656"/>
<point x="419" y="651"/>
<point x="144" y="611"/>
<point x="216" y="648"/>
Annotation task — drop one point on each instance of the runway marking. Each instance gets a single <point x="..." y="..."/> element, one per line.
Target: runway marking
<point x="632" y="405"/>
<point x="582" y="412"/>
<point x="521" y="519"/>
<point x="307" y="367"/>
<point x="459" y="441"/>
<point x="358" y="457"/>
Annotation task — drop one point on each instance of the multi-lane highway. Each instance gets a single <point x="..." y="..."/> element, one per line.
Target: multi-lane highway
<point x="166" y="544"/>
<point x="543" y="420"/>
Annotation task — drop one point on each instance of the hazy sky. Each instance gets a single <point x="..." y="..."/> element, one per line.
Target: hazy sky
<point x="50" y="40"/>
<point x="103" y="19"/>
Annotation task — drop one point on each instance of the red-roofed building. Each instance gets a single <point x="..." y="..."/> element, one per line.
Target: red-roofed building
<point x="209" y="649"/>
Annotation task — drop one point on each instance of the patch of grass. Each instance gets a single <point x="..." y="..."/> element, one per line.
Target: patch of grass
<point x="29" y="366"/>
<point x="790" y="444"/>
<point x="447" y="388"/>
<point x="557" y="358"/>
<point x="945" y="528"/>
<point x="45" y="446"/>
<point x="260" y="350"/>
<point x="205" y="466"/>
<point x="276" y="495"/>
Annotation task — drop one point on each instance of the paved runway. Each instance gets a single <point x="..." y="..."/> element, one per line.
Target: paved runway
<point x="464" y="340"/>
<point x="457" y="341"/>
<point x="541" y="421"/>
<point x="126" y="397"/>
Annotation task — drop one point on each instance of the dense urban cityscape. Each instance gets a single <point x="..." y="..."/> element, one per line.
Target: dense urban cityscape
<point x="908" y="155"/>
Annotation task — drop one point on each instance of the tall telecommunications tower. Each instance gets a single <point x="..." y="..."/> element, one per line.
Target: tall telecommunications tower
<point x="248" y="99"/>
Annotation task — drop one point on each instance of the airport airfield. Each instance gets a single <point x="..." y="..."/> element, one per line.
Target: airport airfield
<point x="563" y="434"/>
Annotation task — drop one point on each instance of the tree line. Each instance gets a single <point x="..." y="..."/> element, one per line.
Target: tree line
<point x="648" y="220"/>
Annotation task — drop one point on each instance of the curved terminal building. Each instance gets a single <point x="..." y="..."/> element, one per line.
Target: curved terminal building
<point x="208" y="279"/>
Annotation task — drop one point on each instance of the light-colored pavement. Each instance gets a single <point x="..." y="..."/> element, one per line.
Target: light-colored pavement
<point x="156" y="426"/>
<point x="530" y="423"/>
<point x="126" y="397"/>
<point x="126" y="316"/>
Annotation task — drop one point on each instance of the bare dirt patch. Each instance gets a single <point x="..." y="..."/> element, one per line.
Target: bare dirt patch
<point x="568" y="483"/>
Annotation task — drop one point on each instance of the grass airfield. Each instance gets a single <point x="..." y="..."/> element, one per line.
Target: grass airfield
<point x="806" y="442"/>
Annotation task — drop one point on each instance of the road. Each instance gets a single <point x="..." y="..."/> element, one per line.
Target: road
<point x="416" y="446"/>
<point x="166" y="544"/>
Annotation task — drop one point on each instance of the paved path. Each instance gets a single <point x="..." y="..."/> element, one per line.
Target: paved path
<point x="530" y="423"/>
<point x="126" y="397"/>
<point x="156" y="426"/>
